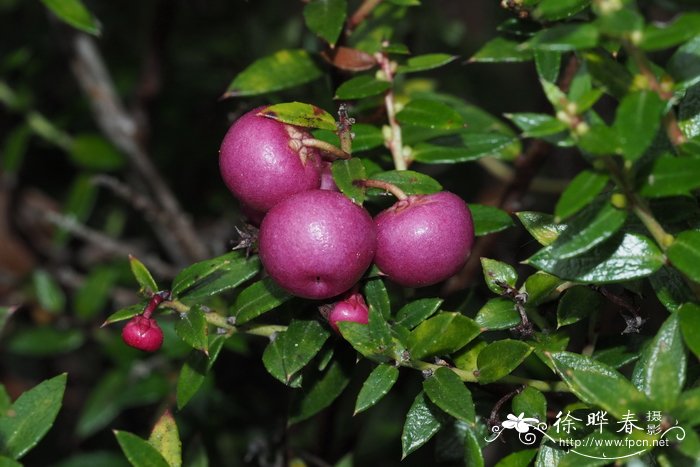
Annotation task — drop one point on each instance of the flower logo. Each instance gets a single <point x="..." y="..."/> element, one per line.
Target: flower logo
<point x="520" y="423"/>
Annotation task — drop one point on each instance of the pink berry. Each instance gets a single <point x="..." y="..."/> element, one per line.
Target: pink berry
<point x="352" y="309"/>
<point x="317" y="244"/>
<point x="327" y="182"/>
<point x="263" y="161"/>
<point x="143" y="333"/>
<point x="253" y="216"/>
<point x="424" y="239"/>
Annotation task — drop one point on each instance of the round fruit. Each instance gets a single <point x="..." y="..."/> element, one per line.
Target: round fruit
<point x="424" y="239"/>
<point x="317" y="244"/>
<point x="264" y="161"/>
<point x="143" y="333"/>
<point x="352" y="309"/>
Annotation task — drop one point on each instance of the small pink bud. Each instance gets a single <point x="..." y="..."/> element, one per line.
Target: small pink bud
<point x="353" y="309"/>
<point x="143" y="333"/>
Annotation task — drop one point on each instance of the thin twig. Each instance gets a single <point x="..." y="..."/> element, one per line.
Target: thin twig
<point x="394" y="142"/>
<point x="124" y="191"/>
<point x="362" y="12"/>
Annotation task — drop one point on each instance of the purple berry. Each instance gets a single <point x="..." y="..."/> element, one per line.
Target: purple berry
<point x="317" y="244"/>
<point x="263" y="161"/>
<point x="424" y="239"/>
<point x="254" y="217"/>
<point x="352" y="309"/>
<point x="327" y="182"/>
<point x="143" y="333"/>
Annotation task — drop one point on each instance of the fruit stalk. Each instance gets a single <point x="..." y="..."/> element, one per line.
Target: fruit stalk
<point x="386" y="186"/>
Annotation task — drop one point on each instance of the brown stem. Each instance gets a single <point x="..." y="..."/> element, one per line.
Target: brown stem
<point x="362" y="12"/>
<point x="345" y="129"/>
<point x="329" y="150"/>
<point x="386" y="186"/>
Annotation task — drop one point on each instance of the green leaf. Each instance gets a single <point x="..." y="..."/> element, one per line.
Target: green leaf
<point x="615" y="357"/>
<point x="608" y="72"/>
<point x="5" y="401"/>
<point x="684" y="65"/>
<point x="498" y="275"/>
<point x="670" y="288"/>
<point x="475" y="146"/>
<point x="48" y="293"/>
<point x="441" y="335"/>
<point x="31" y="417"/>
<point x="518" y="458"/>
<point x="671" y="176"/>
<point x="500" y="50"/>
<point x="661" y="369"/>
<point x="473" y="455"/>
<point x="637" y="119"/>
<point x="425" y="62"/>
<point x="465" y="359"/>
<point x="124" y="314"/>
<point x="689" y="315"/>
<point x="683" y="28"/>
<point x="94" y="293"/>
<point x="319" y="392"/>
<point x="592" y="226"/>
<point x="413" y="313"/>
<point x="143" y="276"/>
<point x="376" y="386"/>
<point x="536" y="125"/>
<point x="345" y="172"/>
<point x="292" y="349"/>
<point x="565" y="37"/>
<point x="359" y="336"/>
<point x="548" y="456"/>
<point x="299" y="114"/>
<point x="42" y="341"/>
<point x="195" y="369"/>
<point x="258" y="298"/>
<point x="498" y="313"/>
<point x="540" y="287"/>
<point x="95" y="152"/>
<point x="531" y="402"/>
<point x="430" y="114"/>
<point x="421" y="424"/>
<point x="552" y="10"/>
<point x="622" y="257"/>
<point x="581" y="191"/>
<point x="138" y="451"/>
<point x="500" y="358"/>
<point x="577" y="303"/>
<point x="361" y="87"/>
<point x="377" y="297"/>
<point x="73" y="12"/>
<point x="207" y="278"/>
<point x="449" y="393"/>
<point x="326" y="18"/>
<point x="166" y="439"/>
<point x="281" y="70"/>
<point x="192" y="328"/>
<point x="597" y="384"/>
<point x="541" y="226"/>
<point x="412" y="183"/>
<point x="7" y="462"/>
<point x="365" y="137"/>
<point x="684" y="253"/>
<point x="548" y="64"/>
<point x="488" y="219"/>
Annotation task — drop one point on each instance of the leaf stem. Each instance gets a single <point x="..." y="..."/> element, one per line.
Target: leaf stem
<point x="362" y="12"/>
<point x="326" y="147"/>
<point x="394" y="140"/>
<point x="386" y="186"/>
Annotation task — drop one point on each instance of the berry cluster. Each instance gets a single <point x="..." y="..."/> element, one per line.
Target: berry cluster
<point x="314" y="241"/>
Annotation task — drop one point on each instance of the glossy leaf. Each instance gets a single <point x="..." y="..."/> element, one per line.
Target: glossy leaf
<point x="541" y="226"/>
<point x="30" y="417"/>
<point x="670" y="287"/>
<point x="376" y="386"/>
<point x="365" y="137"/>
<point x="449" y="393"/>
<point x="319" y="392"/>
<point x="473" y="455"/>
<point x="412" y="183"/>
<point x="488" y="219"/>
<point x="345" y="173"/>
<point x="597" y="384"/>
<point x="498" y="313"/>
<point x="537" y="125"/>
<point x="592" y="226"/>
<point x="498" y="275"/>
<point x="500" y="358"/>
<point x="689" y="315"/>
<point x="359" y="336"/>
<point x="622" y="257"/>
<point x="683" y="28"/>
<point x="565" y="37"/>
<point x="578" y="303"/>
<point x="684" y="253"/>
<point x="670" y="176"/>
<point x="581" y="191"/>
<point x="73" y="12"/>
<point x="192" y="328"/>
<point x="207" y="278"/>
<point x="292" y="349"/>
<point x="326" y="18"/>
<point x="518" y="458"/>
<point x="166" y="439"/>
<point x="637" y="119"/>
<point x="195" y="369"/>
<point x="475" y="146"/>
<point x="124" y="314"/>
<point x="430" y="114"/>
<point x="281" y="70"/>
<point x="421" y="424"/>
<point x="548" y="64"/>
<point x="361" y="87"/>
<point x="501" y="50"/>
<point x="377" y="297"/>
<point x="441" y="335"/>
<point x="258" y="298"/>
<point x="299" y="114"/>
<point x="540" y="287"/>
<point x="552" y="10"/>
<point x="138" y="451"/>
<point x="531" y="402"/>
<point x="425" y="62"/>
<point x="661" y="369"/>
<point x="413" y="313"/>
